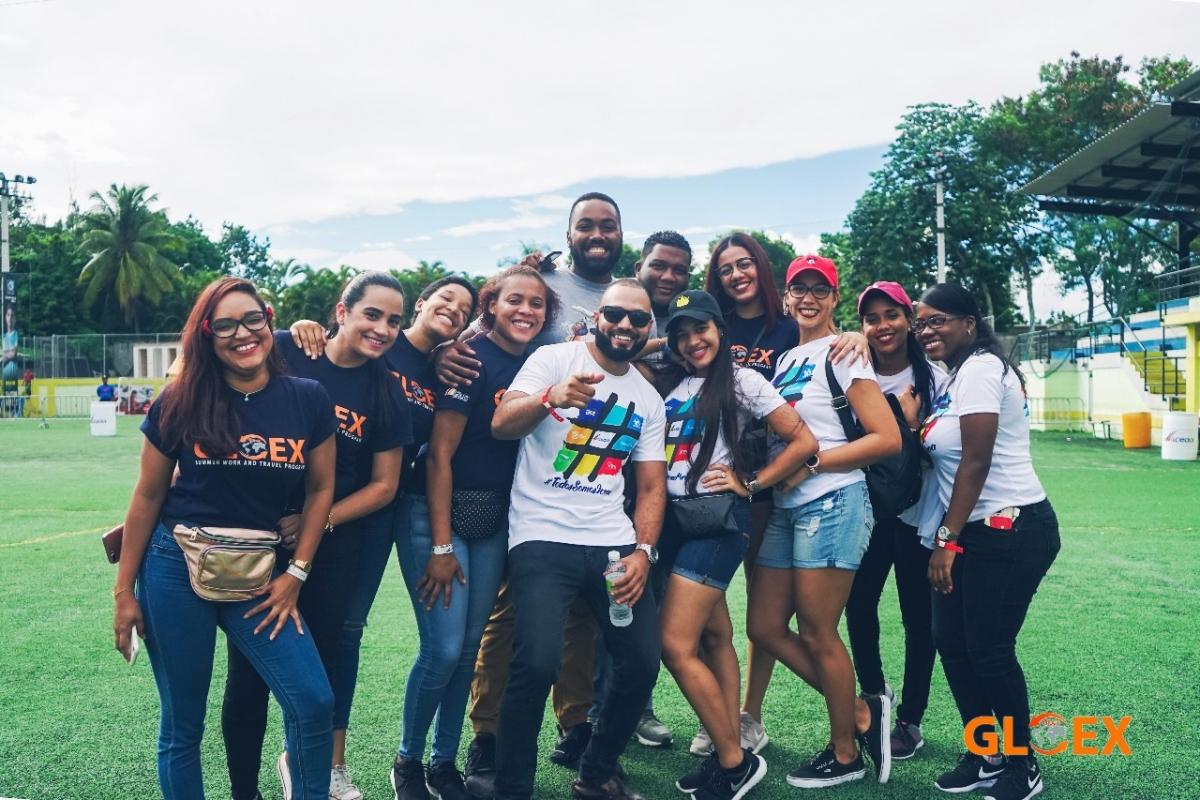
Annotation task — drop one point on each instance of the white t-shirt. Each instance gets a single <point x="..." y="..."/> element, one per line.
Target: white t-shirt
<point x="926" y="514"/>
<point x="801" y="380"/>
<point x="756" y="399"/>
<point x="983" y="386"/>
<point x="568" y="485"/>
<point x="895" y="384"/>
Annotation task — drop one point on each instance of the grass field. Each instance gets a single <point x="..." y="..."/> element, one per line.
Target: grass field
<point x="1114" y="630"/>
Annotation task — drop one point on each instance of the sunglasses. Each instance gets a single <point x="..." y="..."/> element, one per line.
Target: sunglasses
<point x="226" y="327"/>
<point x="820" y="291"/>
<point x="614" y="314"/>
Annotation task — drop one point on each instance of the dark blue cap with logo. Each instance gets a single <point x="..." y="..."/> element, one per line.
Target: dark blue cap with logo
<point x="693" y="304"/>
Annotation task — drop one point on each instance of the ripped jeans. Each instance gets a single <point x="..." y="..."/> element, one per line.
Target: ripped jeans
<point x="830" y="531"/>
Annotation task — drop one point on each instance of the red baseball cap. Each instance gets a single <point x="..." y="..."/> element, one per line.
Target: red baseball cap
<point x="819" y="264"/>
<point x="889" y="289"/>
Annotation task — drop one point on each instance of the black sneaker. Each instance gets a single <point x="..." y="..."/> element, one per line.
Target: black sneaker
<point x="445" y="782"/>
<point x="700" y="776"/>
<point x="570" y="746"/>
<point x="736" y="783"/>
<point x="826" y="770"/>
<point x="612" y="789"/>
<point x="906" y="740"/>
<point x="877" y="740"/>
<point x="970" y="773"/>
<point x="1020" y="780"/>
<point x="408" y="779"/>
<point x="481" y="766"/>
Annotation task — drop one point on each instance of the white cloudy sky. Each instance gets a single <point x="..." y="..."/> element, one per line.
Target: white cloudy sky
<point x="275" y="113"/>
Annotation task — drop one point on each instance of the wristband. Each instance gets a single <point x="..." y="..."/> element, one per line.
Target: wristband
<point x="296" y="573"/>
<point x="442" y="549"/>
<point x="951" y="546"/>
<point x="546" y="403"/>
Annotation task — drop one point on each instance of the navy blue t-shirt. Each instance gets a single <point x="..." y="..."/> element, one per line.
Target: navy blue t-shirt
<point x="418" y="380"/>
<point x="482" y="461"/>
<point x="277" y="429"/>
<point x="760" y="353"/>
<point x="360" y="434"/>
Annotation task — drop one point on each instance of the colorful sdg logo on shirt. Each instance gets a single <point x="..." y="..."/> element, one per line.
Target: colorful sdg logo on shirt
<point x="683" y="430"/>
<point x="791" y="382"/>
<point x="940" y="407"/>
<point x="600" y="439"/>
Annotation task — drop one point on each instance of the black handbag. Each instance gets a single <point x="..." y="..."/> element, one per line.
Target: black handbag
<point x="702" y="516"/>
<point x="478" y="513"/>
<point x="893" y="483"/>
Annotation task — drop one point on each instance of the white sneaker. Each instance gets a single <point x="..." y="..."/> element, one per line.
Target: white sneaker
<point x="754" y="735"/>
<point x="702" y="744"/>
<point x="340" y="785"/>
<point x="285" y="775"/>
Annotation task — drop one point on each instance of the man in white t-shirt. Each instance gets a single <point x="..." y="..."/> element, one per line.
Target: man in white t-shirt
<point x="582" y="411"/>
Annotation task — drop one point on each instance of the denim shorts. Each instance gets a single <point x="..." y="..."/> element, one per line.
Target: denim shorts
<point x="831" y="531"/>
<point x="712" y="562"/>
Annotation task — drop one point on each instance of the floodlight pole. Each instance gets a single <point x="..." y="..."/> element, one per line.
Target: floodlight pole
<point x="6" y="191"/>
<point x="941" y="230"/>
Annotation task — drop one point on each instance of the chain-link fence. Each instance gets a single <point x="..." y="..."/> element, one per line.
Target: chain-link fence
<point x="126" y="355"/>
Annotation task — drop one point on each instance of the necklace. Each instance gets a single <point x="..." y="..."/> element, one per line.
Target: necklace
<point x="247" y="395"/>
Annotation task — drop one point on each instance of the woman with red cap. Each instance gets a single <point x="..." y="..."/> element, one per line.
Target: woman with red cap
<point x="820" y="529"/>
<point x="886" y="314"/>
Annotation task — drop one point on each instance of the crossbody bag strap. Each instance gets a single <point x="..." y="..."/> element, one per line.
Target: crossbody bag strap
<point x="841" y="404"/>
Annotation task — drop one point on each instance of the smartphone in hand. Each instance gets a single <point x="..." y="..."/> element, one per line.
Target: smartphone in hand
<point x="135" y="646"/>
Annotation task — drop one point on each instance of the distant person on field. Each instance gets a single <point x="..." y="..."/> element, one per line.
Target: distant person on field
<point x="106" y="391"/>
<point x="271" y="435"/>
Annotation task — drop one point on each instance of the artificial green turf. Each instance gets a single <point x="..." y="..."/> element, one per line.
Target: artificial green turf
<point x="1113" y="630"/>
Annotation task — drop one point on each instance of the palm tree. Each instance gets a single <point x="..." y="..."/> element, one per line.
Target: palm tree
<point x="124" y="239"/>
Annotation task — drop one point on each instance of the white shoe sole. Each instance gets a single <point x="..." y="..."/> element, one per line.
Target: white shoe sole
<point x="642" y="740"/>
<point x="810" y="783"/>
<point x="885" y="727"/>
<point x="754" y="780"/>
<point x="986" y="783"/>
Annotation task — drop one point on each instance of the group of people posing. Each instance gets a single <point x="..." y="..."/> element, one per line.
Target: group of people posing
<point x="571" y="469"/>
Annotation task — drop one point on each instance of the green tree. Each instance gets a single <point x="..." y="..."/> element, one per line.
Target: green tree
<point x="243" y="255"/>
<point x="125" y="240"/>
<point x="49" y="297"/>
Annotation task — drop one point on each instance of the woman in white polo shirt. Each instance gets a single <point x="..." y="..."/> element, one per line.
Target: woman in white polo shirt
<point x="998" y="537"/>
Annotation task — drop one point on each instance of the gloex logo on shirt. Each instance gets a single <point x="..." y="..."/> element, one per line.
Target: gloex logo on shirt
<point x="598" y="443"/>
<point x="252" y="448"/>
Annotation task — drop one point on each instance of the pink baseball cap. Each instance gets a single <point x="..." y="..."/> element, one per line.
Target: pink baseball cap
<point x="819" y="264"/>
<point x="889" y="289"/>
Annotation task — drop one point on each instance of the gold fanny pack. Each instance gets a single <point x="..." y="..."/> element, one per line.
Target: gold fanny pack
<point x="227" y="564"/>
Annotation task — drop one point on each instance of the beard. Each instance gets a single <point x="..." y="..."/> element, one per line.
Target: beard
<point x="605" y="345"/>
<point x="593" y="266"/>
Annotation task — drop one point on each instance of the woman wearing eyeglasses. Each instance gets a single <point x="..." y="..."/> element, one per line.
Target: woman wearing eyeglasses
<point x="998" y="537"/>
<point x="905" y="541"/>
<point x="741" y="277"/>
<point x="819" y="531"/>
<point x="245" y="438"/>
<point x="373" y="425"/>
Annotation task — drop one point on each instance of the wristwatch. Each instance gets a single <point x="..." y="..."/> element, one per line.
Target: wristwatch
<point x="946" y="539"/>
<point x="303" y="566"/>
<point x="651" y="552"/>
<point x="442" y="549"/>
<point x="813" y="463"/>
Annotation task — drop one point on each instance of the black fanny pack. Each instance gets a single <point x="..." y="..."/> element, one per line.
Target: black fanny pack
<point x="702" y="516"/>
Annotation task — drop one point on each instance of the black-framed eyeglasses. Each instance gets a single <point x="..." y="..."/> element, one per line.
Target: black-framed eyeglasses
<point x="819" y="291"/>
<point x="935" y="323"/>
<point x="742" y="265"/>
<point x="637" y="318"/>
<point x="226" y="327"/>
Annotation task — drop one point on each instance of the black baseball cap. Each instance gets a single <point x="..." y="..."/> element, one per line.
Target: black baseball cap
<point x="693" y="304"/>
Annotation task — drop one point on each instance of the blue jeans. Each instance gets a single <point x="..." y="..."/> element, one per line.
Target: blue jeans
<point x="440" y="680"/>
<point x="378" y="532"/>
<point x="181" y="632"/>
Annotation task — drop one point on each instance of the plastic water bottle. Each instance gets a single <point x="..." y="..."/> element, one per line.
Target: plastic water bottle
<point x="619" y="614"/>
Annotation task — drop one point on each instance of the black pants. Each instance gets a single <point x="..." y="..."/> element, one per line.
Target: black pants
<point x="976" y="625"/>
<point x="544" y="580"/>
<point x="893" y="542"/>
<point x="322" y="604"/>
